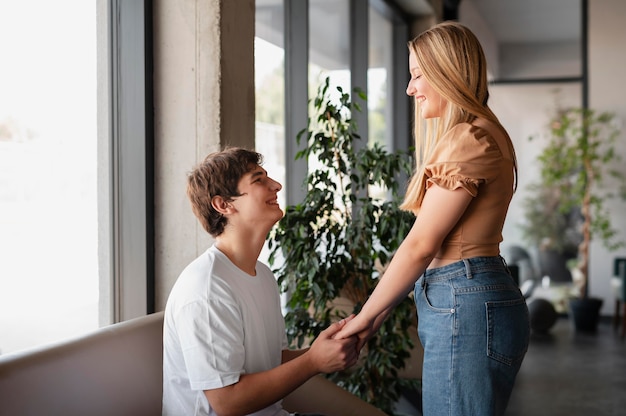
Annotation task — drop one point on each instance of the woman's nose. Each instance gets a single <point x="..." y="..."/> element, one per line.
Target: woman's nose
<point x="410" y="90"/>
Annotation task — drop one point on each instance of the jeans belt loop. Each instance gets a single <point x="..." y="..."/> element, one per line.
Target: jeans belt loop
<point x="506" y="266"/>
<point x="468" y="268"/>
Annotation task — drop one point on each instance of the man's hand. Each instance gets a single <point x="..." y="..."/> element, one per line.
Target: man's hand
<point x="330" y="354"/>
<point x="360" y="328"/>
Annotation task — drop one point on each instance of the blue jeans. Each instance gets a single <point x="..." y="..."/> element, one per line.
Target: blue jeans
<point x="473" y="324"/>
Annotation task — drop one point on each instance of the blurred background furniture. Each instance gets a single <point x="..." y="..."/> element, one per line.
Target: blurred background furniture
<point x="619" y="290"/>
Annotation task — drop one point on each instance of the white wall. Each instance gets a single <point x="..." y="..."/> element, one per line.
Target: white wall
<point x="607" y="92"/>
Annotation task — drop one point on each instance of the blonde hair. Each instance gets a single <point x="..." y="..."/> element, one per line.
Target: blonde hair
<point x="452" y="60"/>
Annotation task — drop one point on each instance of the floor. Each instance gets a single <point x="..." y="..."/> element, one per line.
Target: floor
<point x="565" y="373"/>
<point x="570" y="373"/>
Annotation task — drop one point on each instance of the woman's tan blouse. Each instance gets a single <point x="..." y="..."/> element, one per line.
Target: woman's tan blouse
<point x="478" y="158"/>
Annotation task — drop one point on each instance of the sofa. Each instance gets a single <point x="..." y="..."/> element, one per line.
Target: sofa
<point x="117" y="370"/>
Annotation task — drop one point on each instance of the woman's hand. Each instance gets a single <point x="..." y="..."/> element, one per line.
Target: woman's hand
<point x="360" y="327"/>
<point x="330" y="353"/>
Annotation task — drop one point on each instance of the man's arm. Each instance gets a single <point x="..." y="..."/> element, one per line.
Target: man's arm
<point x="289" y="355"/>
<point x="258" y="390"/>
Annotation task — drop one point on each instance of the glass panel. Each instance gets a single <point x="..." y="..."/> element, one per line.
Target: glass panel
<point x="378" y="77"/>
<point x="379" y="86"/>
<point x="329" y="51"/>
<point x="329" y="44"/>
<point x="269" y="67"/>
<point x="48" y="221"/>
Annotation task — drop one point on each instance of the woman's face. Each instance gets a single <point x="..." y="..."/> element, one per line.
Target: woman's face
<point x="432" y="104"/>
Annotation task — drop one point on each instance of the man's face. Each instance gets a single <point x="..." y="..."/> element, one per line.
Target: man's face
<point x="258" y="203"/>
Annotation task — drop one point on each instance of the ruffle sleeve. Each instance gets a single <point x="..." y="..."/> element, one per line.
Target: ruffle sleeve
<point x="465" y="157"/>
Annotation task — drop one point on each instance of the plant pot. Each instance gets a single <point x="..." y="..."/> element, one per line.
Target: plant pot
<point x="585" y="313"/>
<point x="554" y="265"/>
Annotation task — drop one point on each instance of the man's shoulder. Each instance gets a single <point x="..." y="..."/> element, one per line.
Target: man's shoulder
<point x="201" y="278"/>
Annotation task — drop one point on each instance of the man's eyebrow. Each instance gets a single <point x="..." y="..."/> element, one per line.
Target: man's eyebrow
<point x="256" y="173"/>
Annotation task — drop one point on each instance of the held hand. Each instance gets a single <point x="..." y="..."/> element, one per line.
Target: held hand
<point x="358" y="327"/>
<point x="331" y="354"/>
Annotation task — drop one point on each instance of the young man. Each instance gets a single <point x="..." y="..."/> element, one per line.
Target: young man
<point x="225" y="346"/>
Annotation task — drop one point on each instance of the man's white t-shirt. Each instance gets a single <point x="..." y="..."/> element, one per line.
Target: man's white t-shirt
<point x="220" y="322"/>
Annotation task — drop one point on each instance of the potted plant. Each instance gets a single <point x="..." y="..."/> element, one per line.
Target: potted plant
<point x="334" y="244"/>
<point x="575" y="165"/>
<point x="553" y="232"/>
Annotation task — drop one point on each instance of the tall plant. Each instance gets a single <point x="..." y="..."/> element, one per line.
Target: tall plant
<point x="334" y="245"/>
<point x="579" y="158"/>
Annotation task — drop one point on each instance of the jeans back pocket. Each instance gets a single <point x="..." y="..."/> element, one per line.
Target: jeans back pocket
<point x="508" y="330"/>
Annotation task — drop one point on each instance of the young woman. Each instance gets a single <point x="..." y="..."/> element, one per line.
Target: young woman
<point x="472" y="319"/>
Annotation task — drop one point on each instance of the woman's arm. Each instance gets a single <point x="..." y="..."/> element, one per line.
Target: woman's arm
<point x="440" y="211"/>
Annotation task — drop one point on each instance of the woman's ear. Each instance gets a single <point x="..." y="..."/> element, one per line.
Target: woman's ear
<point x="221" y="205"/>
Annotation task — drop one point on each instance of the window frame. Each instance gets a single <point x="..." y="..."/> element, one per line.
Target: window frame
<point x="126" y="161"/>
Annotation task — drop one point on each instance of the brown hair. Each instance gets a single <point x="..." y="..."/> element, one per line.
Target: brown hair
<point x="452" y="60"/>
<point x="218" y="175"/>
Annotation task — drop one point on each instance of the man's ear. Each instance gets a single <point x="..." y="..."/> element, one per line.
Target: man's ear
<point x="221" y="205"/>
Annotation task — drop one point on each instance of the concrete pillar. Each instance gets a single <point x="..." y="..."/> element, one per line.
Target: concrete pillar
<point x="204" y="101"/>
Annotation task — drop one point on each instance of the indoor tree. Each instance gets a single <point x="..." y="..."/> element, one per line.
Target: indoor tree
<point x="330" y="249"/>
<point x="580" y="171"/>
<point x="578" y="160"/>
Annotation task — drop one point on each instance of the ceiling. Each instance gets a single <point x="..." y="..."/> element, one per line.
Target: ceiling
<point x="531" y="21"/>
<point x="522" y="39"/>
<point x="510" y="21"/>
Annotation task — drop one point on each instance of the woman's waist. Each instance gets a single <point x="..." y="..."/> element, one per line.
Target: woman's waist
<point x="452" y="252"/>
<point x="447" y="269"/>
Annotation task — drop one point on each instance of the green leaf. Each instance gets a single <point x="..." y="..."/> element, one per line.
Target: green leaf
<point x="333" y="240"/>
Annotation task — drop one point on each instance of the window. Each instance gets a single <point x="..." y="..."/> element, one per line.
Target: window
<point x="75" y="168"/>
<point x="48" y="187"/>
<point x="379" y="89"/>
<point x="270" y="88"/>
<point x="305" y="42"/>
<point x="378" y="76"/>
<point x="269" y="70"/>
<point x="329" y="44"/>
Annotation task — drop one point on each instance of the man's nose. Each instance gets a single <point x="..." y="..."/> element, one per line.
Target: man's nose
<point x="276" y="185"/>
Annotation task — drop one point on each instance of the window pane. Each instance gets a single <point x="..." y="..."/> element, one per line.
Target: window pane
<point x="378" y="77"/>
<point x="269" y="68"/>
<point x="329" y="40"/>
<point x="48" y="221"/>
<point x="329" y="52"/>
<point x="379" y="92"/>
